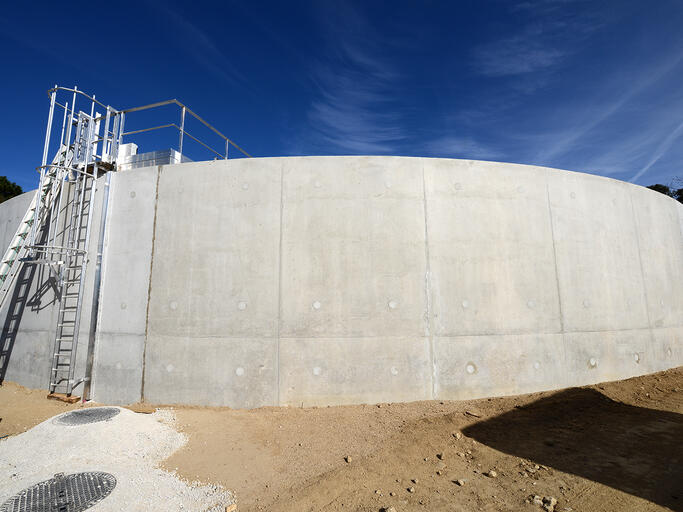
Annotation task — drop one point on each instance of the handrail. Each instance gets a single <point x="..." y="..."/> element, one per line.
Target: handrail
<point x="77" y="91"/>
<point x="110" y="111"/>
<point x="188" y="111"/>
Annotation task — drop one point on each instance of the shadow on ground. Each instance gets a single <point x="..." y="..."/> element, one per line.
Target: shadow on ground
<point x="581" y="431"/>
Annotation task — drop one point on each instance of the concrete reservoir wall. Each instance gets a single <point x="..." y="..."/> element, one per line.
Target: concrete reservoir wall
<point x="333" y="280"/>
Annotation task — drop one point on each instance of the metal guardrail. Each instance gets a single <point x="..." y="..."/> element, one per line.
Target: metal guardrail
<point x="119" y="116"/>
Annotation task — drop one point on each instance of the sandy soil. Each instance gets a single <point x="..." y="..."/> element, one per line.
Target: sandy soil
<point x="613" y="446"/>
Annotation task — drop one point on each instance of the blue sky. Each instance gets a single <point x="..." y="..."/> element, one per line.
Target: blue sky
<point x="592" y="86"/>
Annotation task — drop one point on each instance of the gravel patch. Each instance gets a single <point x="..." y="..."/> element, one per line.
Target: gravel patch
<point x="129" y="446"/>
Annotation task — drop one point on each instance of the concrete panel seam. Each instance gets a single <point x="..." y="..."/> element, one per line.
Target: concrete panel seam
<point x="557" y="276"/>
<point x="279" y="288"/>
<point x="149" y="287"/>
<point x="428" y="309"/>
<point x="552" y="237"/>
<point x="640" y="264"/>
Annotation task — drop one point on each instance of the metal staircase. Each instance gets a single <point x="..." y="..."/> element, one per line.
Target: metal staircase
<point x="19" y="246"/>
<point x="55" y="231"/>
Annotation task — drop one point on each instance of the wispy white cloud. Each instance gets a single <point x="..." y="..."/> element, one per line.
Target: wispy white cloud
<point x="544" y="40"/>
<point x="595" y="112"/>
<point x="356" y="109"/>
<point x="201" y="48"/>
<point x="660" y="151"/>
<point x="461" y="147"/>
<point x="522" y="53"/>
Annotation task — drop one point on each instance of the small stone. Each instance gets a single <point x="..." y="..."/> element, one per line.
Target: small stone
<point x="415" y="480"/>
<point x="537" y="499"/>
<point x="549" y="503"/>
<point x="392" y="493"/>
<point x="460" y="482"/>
<point x="377" y="491"/>
<point x="389" y="509"/>
<point x="440" y="456"/>
<point x="492" y="473"/>
<point x="438" y="472"/>
<point x="460" y="454"/>
<point x="411" y="489"/>
<point x="469" y="452"/>
<point x="348" y="458"/>
<point x="457" y="435"/>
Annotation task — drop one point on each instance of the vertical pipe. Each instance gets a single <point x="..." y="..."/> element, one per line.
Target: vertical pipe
<point x="227" y="143"/>
<point x="61" y="137"/>
<point x="53" y="97"/>
<point x="123" y="120"/>
<point x="71" y="118"/>
<point x="90" y="358"/>
<point x="182" y="132"/>
<point x="106" y="147"/>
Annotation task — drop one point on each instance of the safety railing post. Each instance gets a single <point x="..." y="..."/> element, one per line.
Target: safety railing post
<point x="48" y="132"/>
<point x="182" y="132"/>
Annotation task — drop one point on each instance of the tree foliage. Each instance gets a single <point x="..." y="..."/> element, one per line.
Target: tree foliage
<point x="8" y="189"/>
<point x="677" y="194"/>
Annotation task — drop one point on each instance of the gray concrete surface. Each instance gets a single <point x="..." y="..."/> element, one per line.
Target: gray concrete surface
<point x="333" y="280"/>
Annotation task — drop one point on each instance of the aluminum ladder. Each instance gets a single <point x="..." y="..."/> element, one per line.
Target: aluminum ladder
<point x="18" y="249"/>
<point x="67" y="252"/>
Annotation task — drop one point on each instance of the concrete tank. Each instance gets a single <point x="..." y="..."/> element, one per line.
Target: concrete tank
<point x="335" y="280"/>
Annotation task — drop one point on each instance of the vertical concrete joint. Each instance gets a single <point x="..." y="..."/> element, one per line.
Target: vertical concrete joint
<point x="279" y="288"/>
<point x="149" y="287"/>
<point x="640" y="265"/>
<point x="428" y="292"/>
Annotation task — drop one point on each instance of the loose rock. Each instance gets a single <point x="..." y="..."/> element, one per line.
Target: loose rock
<point x="492" y="473"/>
<point x="549" y="503"/>
<point x="411" y="489"/>
<point x="348" y="458"/>
<point x="460" y="482"/>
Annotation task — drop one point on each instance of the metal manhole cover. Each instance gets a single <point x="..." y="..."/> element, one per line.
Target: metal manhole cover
<point x="84" y="416"/>
<point x="70" y="493"/>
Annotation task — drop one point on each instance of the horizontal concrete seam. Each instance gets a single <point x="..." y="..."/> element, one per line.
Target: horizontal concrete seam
<point x="123" y="333"/>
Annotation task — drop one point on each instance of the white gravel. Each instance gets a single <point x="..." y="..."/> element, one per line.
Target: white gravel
<point x="129" y="446"/>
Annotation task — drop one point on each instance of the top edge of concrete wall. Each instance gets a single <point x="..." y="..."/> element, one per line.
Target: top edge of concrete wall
<point x="383" y="157"/>
<point x="386" y="157"/>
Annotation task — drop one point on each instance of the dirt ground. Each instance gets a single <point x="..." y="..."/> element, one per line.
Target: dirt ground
<point x="613" y="446"/>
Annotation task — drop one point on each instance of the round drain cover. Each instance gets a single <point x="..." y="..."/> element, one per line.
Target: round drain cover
<point x="70" y="493"/>
<point x="84" y="416"/>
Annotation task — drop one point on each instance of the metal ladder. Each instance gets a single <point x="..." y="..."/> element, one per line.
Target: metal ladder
<point x="18" y="249"/>
<point x="66" y="250"/>
<point x="72" y="271"/>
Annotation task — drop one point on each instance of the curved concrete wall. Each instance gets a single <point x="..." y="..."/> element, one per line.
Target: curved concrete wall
<point x="327" y="280"/>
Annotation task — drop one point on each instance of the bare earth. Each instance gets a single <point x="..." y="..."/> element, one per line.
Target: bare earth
<point x="613" y="446"/>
